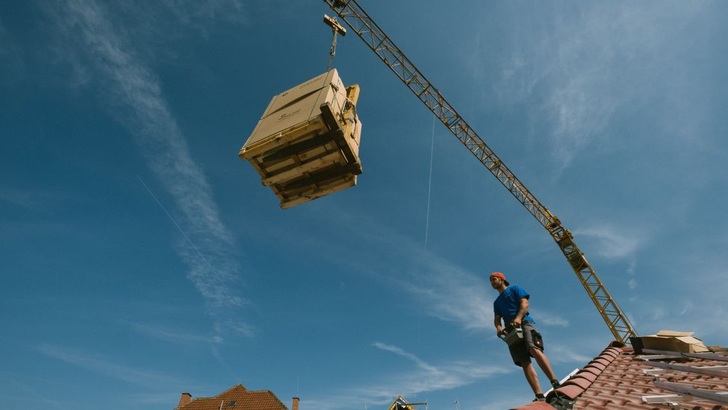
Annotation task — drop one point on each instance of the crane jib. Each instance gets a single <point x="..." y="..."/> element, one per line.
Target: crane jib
<point x="376" y="39"/>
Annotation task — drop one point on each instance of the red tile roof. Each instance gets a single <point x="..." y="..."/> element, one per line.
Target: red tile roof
<point x="236" y="398"/>
<point x="620" y="379"/>
<point x="536" y="405"/>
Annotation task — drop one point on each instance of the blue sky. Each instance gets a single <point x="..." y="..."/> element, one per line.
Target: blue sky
<point x="141" y="258"/>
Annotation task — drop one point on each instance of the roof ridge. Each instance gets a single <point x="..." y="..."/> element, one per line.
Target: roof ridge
<point x="232" y="388"/>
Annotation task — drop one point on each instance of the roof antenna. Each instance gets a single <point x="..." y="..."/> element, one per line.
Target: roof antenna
<point x="336" y="28"/>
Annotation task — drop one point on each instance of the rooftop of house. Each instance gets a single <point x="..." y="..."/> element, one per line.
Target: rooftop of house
<point x="668" y="371"/>
<point x="400" y="403"/>
<point x="235" y="398"/>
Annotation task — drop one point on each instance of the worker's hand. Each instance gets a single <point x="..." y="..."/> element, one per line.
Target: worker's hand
<point x="499" y="331"/>
<point x="516" y="322"/>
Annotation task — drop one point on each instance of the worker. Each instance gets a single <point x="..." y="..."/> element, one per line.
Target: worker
<point x="511" y="308"/>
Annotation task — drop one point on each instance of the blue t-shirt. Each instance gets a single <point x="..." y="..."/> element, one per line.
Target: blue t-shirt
<point x="507" y="303"/>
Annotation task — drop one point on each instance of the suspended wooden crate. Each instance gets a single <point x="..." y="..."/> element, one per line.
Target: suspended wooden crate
<point x="306" y="144"/>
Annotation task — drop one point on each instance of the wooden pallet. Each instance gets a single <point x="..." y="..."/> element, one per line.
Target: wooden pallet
<point x="311" y="159"/>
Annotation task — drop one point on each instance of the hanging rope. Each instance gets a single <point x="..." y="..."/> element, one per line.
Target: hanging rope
<point x="429" y="184"/>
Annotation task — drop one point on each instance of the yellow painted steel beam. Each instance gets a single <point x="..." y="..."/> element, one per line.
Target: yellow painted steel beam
<point x="378" y="41"/>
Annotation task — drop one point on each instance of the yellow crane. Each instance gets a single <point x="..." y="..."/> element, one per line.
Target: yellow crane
<point x="377" y="40"/>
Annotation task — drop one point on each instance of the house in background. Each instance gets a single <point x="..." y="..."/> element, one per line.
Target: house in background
<point x="235" y="398"/>
<point x="669" y="370"/>
<point x="400" y="403"/>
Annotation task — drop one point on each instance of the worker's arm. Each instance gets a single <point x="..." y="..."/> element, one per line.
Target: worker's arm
<point x="522" y="312"/>
<point x="498" y="325"/>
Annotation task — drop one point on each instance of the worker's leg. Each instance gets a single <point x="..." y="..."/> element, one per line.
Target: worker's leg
<point x="534" y="344"/>
<point x="543" y="362"/>
<point x="531" y="377"/>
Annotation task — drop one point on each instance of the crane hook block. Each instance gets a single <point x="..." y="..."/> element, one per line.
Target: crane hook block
<point x="331" y="22"/>
<point x="306" y="144"/>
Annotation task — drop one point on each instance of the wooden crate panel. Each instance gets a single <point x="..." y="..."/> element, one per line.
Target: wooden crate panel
<point x="311" y="192"/>
<point x="293" y="95"/>
<point x="307" y="144"/>
<point x="302" y="130"/>
<point x="331" y="159"/>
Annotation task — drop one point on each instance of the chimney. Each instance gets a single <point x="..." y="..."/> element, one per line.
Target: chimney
<point x="294" y="406"/>
<point x="184" y="399"/>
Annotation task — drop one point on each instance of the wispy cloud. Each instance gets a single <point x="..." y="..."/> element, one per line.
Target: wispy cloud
<point x="551" y="319"/>
<point x="9" y="55"/>
<point x="423" y="377"/>
<point x="35" y="200"/>
<point x="105" y="367"/>
<point x="450" y="375"/>
<point x="27" y="393"/>
<point x="612" y="242"/>
<point x="449" y="292"/>
<point x="136" y="98"/>
<point x="169" y="335"/>
<point x="579" y="67"/>
<point x="705" y="275"/>
<point x="401" y="352"/>
<point x="438" y="286"/>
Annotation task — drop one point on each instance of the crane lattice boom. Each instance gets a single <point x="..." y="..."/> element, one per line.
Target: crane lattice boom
<point x="375" y="38"/>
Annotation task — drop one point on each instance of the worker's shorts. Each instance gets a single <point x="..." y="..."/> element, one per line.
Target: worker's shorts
<point x="531" y="338"/>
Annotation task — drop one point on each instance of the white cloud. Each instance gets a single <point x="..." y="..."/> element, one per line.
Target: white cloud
<point x="577" y="67"/>
<point x="705" y="276"/>
<point x="551" y="319"/>
<point x="611" y="242"/>
<point x="167" y="335"/>
<point x="632" y="284"/>
<point x="135" y="97"/>
<point x="105" y="367"/>
<point x="36" y="200"/>
<point x="400" y="352"/>
<point x="439" y="287"/>
<point x="425" y="377"/>
<point x="449" y="292"/>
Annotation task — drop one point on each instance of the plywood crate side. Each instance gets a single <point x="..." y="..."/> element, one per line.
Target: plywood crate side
<point x="315" y="192"/>
<point x="314" y="85"/>
<point x="274" y="142"/>
<point x="293" y="172"/>
<point x="299" y="153"/>
<point x="349" y="142"/>
<point x="284" y="119"/>
<point x="318" y="176"/>
<point x="286" y="123"/>
<point x="284" y="98"/>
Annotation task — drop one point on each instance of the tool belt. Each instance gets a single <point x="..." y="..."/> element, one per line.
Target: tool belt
<point x="512" y="335"/>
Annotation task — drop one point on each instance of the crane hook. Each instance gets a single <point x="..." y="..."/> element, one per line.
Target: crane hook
<point x="336" y="28"/>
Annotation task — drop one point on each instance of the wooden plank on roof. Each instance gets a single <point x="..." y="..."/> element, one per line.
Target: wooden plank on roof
<point x="707" y="356"/>
<point x="720" y="397"/>
<point x="704" y="356"/>
<point x="657" y="372"/>
<point x="719" y="371"/>
<point x="665" y="398"/>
